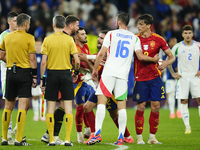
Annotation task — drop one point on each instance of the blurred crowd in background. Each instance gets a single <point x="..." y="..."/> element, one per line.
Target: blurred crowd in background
<point x="96" y="15"/>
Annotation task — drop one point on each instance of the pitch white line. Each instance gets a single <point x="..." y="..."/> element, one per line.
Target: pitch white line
<point x="120" y="147"/>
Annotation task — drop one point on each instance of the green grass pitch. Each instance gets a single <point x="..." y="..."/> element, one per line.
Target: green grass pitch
<point x="170" y="133"/>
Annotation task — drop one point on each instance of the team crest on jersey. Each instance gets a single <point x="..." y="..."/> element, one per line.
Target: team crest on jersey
<point x="145" y="47"/>
<point x="137" y="96"/>
<point x="152" y="44"/>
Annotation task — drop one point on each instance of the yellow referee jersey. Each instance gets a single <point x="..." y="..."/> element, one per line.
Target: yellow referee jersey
<point x="18" y="45"/>
<point x="58" y="47"/>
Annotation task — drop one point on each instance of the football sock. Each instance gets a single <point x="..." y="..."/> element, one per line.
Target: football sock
<point x="68" y="125"/>
<point x="139" y="122"/>
<point x="58" y="116"/>
<point x="154" y="122"/>
<point x="178" y="105"/>
<point x="35" y="106"/>
<point x="171" y="102"/>
<point x="199" y="110"/>
<point x="5" y="122"/>
<point x="50" y="126"/>
<point x="10" y="127"/>
<point x="185" y="114"/>
<point x="86" y="121"/>
<point x="21" y="118"/>
<point x="100" y="115"/>
<point x="91" y="120"/>
<point x="79" y="118"/>
<point x="122" y="119"/>
<point x="45" y="106"/>
<point x="126" y="134"/>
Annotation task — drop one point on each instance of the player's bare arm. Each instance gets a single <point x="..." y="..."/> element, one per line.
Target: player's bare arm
<point x="97" y="62"/>
<point x="42" y="70"/>
<point x="144" y="57"/>
<point x="198" y="74"/>
<point x="83" y="57"/>
<point x="3" y="55"/>
<point x="168" y="61"/>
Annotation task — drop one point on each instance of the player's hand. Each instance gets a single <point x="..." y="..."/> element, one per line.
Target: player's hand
<point x="95" y="75"/>
<point x="197" y="74"/>
<point x="74" y="77"/>
<point x="163" y="65"/>
<point x="176" y="75"/>
<point x="42" y="87"/>
<point x="34" y="83"/>
<point x="82" y="57"/>
<point x="156" y="58"/>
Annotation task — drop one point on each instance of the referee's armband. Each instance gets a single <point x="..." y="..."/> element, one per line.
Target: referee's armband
<point x="34" y="71"/>
<point x="91" y="56"/>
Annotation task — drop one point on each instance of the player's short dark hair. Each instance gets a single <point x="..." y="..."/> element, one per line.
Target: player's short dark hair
<point x="71" y="19"/>
<point x="59" y="21"/>
<point x="22" y="18"/>
<point x="12" y="14"/>
<point x="80" y="28"/>
<point x="123" y="17"/>
<point x="147" y="18"/>
<point x="104" y="31"/>
<point x="186" y="28"/>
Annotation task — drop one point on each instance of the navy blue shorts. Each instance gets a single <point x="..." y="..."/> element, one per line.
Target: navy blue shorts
<point x="111" y="102"/>
<point x="152" y="90"/>
<point x="82" y="92"/>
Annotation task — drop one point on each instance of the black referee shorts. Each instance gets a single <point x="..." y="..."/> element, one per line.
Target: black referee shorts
<point x="59" y="80"/>
<point x="18" y="84"/>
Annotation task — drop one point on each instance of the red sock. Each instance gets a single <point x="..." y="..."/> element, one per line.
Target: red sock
<point x="86" y="121"/>
<point x="154" y="122"/>
<point x="126" y="133"/>
<point x="79" y="118"/>
<point x="91" y="120"/>
<point x="139" y="121"/>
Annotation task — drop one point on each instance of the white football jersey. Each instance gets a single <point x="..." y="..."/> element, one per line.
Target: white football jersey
<point x="188" y="57"/>
<point x="3" y="64"/>
<point x="121" y="45"/>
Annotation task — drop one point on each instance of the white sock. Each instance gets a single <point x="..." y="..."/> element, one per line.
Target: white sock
<point x="10" y="128"/>
<point x="122" y="119"/>
<point x="35" y="107"/>
<point x="199" y="110"/>
<point x="178" y="105"/>
<point x="100" y="115"/>
<point x="45" y="105"/>
<point x="185" y="114"/>
<point x="87" y="130"/>
<point x="171" y="102"/>
<point x="79" y="134"/>
<point x="151" y="135"/>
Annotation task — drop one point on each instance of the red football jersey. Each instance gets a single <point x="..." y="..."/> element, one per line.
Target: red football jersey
<point x="84" y="50"/>
<point x="151" y="46"/>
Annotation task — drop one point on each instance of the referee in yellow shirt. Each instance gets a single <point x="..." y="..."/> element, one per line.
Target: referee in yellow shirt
<point x="56" y="50"/>
<point x="18" y="51"/>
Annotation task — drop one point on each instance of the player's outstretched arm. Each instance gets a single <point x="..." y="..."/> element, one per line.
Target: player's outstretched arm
<point x="170" y="59"/>
<point x="144" y="57"/>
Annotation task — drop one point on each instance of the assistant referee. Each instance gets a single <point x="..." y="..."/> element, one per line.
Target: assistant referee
<point x="56" y="50"/>
<point x="18" y="51"/>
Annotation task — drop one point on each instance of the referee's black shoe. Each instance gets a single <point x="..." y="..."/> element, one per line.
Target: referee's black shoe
<point x="4" y="142"/>
<point x="22" y="143"/>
